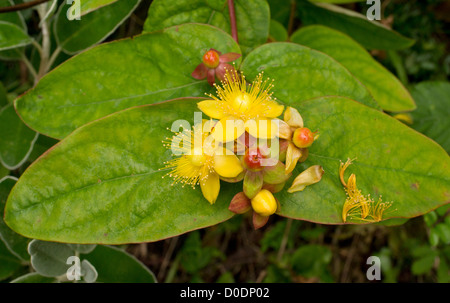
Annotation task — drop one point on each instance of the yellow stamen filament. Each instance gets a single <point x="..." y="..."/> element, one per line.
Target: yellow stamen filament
<point x="358" y="206"/>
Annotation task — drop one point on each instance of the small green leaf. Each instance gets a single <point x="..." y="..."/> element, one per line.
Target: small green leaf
<point x="34" y="277"/>
<point x="277" y="31"/>
<point x="443" y="230"/>
<point x="423" y="265"/>
<point x="387" y="90"/>
<point x="76" y="35"/>
<point x="17" y="19"/>
<point x="433" y="110"/>
<point x="103" y="184"/>
<point x="13" y="241"/>
<point x="252" y="17"/>
<point x="87" y="6"/>
<point x="49" y="258"/>
<point x="16" y="139"/>
<point x="12" y="36"/>
<point x="302" y="73"/>
<point x="311" y="260"/>
<point x="114" y="76"/>
<point x="392" y="160"/>
<point x="371" y="34"/>
<point x="116" y="266"/>
<point x="88" y="272"/>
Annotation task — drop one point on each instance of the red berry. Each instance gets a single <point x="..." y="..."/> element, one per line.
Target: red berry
<point x="253" y="158"/>
<point x="303" y="137"/>
<point x="211" y="59"/>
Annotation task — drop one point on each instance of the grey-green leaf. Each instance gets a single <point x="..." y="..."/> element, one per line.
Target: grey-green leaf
<point x="16" y="139"/>
<point x="143" y="70"/>
<point x="76" y="35"/>
<point x="49" y="258"/>
<point x="12" y="36"/>
<point x="34" y="277"/>
<point x="387" y="90"/>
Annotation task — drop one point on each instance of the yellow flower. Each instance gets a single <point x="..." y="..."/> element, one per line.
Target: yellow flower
<point x="357" y="205"/>
<point x="200" y="162"/>
<point x="300" y="138"/>
<point x="237" y="103"/>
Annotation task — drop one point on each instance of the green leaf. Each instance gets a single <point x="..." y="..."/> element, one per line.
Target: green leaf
<point x="9" y="263"/>
<point x="102" y="184"/>
<point x="76" y="35"/>
<point x="34" y="277"/>
<point x="116" y="266"/>
<point x="143" y="70"/>
<point x="13" y="241"/>
<point x="302" y="73"/>
<point x="3" y="96"/>
<point x="252" y="17"/>
<point x="16" y="139"/>
<point x="433" y="110"/>
<point x="49" y="258"/>
<point x="387" y="90"/>
<point x="87" y="6"/>
<point x="371" y="34"/>
<point x="88" y="272"/>
<point x="311" y="260"/>
<point x="392" y="160"/>
<point x="277" y="31"/>
<point x="12" y="36"/>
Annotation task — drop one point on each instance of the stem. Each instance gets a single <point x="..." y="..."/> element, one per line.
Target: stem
<point x="53" y="58"/>
<point x="284" y="240"/>
<point x="292" y="17"/>
<point x="29" y="66"/>
<point x="234" y="32"/>
<point x="22" y="6"/>
<point x="46" y="44"/>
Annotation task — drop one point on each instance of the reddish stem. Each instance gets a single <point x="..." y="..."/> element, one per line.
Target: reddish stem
<point x="234" y="32"/>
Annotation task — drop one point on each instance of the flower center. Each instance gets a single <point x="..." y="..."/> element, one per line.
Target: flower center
<point x="197" y="158"/>
<point x="241" y="102"/>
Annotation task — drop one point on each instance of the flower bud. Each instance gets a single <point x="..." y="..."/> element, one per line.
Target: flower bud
<point x="259" y="221"/>
<point x="211" y="59"/>
<point x="303" y="137"/>
<point x="253" y="182"/>
<point x="239" y="204"/>
<point x="275" y="174"/>
<point x="274" y="188"/>
<point x="310" y="176"/>
<point x="253" y="159"/>
<point x="264" y="203"/>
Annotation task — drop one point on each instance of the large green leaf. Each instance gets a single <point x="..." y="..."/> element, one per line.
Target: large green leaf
<point x="16" y="139"/>
<point x="76" y="35"/>
<point x="370" y="34"/>
<point x="392" y="160"/>
<point x="252" y="17"/>
<point x="117" y="266"/>
<point x="16" y="244"/>
<point x="102" y="184"/>
<point x="12" y="36"/>
<point x="433" y="111"/>
<point x="302" y="73"/>
<point x="387" y="90"/>
<point x="111" y="77"/>
<point x="87" y="6"/>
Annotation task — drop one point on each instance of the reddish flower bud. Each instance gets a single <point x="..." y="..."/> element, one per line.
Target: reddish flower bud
<point x="240" y="204"/>
<point x="211" y="59"/>
<point x="253" y="159"/>
<point x="303" y="137"/>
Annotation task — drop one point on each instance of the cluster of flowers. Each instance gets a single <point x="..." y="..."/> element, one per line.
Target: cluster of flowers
<point x="244" y="140"/>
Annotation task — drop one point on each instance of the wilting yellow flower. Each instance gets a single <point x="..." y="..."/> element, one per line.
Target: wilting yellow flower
<point x="292" y="129"/>
<point x="309" y="176"/>
<point x="200" y="162"/>
<point x="238" y="103"/>
<point x="357" y="205"/>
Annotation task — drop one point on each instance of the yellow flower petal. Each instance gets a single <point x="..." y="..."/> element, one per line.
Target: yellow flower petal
<point x="228" y="129"/>
<point x="292" y="155"/>
<point x="227" y="166"/>
<point x="211" y="187"/>
<point x="275" y="109"/>
<point x="211" y="109"/>
<point x="285" y="130"/>
<point x="310" y="176"/>
<point x="293" y="117"/>
<point x="262" y="128"/>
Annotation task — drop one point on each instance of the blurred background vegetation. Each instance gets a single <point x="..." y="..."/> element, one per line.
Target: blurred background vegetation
<point x="294" y="251"/>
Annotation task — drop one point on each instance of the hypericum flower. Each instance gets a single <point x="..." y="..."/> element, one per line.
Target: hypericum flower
<point x="238" y="103"/>
<point x="200" y="162"/>
<point x="300" y="138"/>
<point x="214" y="64"/>
<point x="357" y="205"/>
